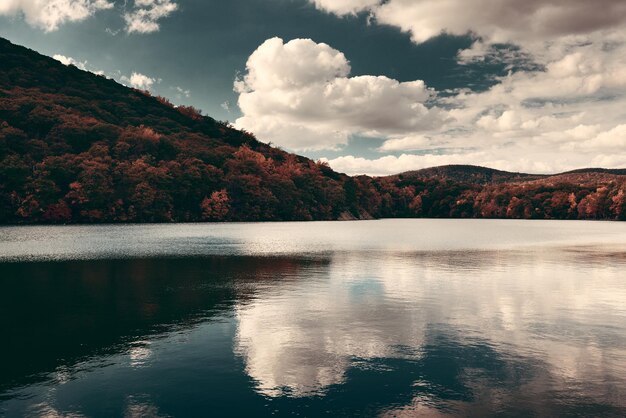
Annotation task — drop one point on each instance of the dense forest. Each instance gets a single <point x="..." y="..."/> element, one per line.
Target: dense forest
<point x="78" y="147"/>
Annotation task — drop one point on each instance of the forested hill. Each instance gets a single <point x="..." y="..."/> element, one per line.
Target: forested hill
<point x="470" y="174"/>
<point x="77" y="147"/>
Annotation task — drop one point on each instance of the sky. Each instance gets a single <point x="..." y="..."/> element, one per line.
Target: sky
<point x="373" y="87"/>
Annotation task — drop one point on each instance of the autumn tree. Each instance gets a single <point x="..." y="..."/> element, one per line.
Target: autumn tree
<point x="216" y="207"/>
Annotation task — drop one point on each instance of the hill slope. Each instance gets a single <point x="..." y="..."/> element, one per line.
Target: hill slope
<point x="469" y="174"/>
<point x="77" y="147"/>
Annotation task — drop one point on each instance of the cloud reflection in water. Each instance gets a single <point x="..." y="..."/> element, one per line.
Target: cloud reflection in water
<point x="550" y="317"/>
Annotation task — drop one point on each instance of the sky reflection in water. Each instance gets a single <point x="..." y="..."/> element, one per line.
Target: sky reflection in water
<point x="378" y="318"/>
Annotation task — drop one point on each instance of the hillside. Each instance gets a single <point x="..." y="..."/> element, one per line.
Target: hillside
<point x="78" y="147"/>
<point x="472" y="174"/>
<point x="469" y="174"/>
<point x="75" y="146"/>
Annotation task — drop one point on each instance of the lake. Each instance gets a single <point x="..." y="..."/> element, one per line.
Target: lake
<point x="368" y="318"/>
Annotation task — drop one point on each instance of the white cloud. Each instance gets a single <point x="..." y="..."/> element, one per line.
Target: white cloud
<point x="136" y="80"/>
<point x="476" y="52"/>
<point x="298" y="63"/>
<point x="50" y="14"/>
<point x="139" y="81"/>
<point x="112" y="32"/>
<point x="70" y="61"/>
<point x="299" y="94"/>
<point x="613" y="139"/>
<point x="181" y="92"/>
<point x="389" y="164"/>
<point x="495" y="20"/>
<point x="344" y="7"/>
<point x="409" y="143"/>
<point x="604" y="150"/>
<point x="146" y="14"/>
<point x="550" y="114"/>
<point x="357" y="319"/>
<point x="83" y="65"/>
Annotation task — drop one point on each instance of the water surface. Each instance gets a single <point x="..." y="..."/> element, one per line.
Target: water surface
<point x="387" y="318"/>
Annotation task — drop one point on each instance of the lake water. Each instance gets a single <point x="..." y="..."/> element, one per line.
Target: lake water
<point x="369" y="318"/>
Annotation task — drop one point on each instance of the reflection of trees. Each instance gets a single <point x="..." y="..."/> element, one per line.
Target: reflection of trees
<point x="56" y="314"/>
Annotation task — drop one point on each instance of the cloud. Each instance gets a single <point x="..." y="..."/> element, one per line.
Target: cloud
<point x="390" y="164"/>
<point x="181" y="92"/>
<point x="607" y="152"/>
<point x="83" y="65"/>
<point x="139" y="81"/>
<point x="145" y="16"/>
<point x="299" y="94"/>
<point x="70" y="61"/>
<point x="549" y="114"/>
<point x="299" y="63"/>
<point x="358" y="321"/>
<point x="50" y="14"/>
<point x="409" y="143"/>
<point x="112" y="32"/>
<point x="136" y="80"/>
<point x="613" y="139"/>
<point x="344" y="7"/>
<point x="494" y="20"/>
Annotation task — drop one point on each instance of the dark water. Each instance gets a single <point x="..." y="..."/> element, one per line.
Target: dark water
<point x="390" y="318"/>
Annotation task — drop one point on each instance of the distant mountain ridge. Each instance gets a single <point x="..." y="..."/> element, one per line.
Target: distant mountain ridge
<point x="76" y="147"/>
<point x="615" y="171"/>
<point x="469" y="174"/>
<point x="474" y="174"/>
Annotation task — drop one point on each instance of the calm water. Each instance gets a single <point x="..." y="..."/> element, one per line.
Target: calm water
<point x="372" y="318"/>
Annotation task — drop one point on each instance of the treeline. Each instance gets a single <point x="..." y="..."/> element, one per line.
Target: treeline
<point x="135" y="174"/>
<point x="139" y="175"/>
<point x="76" y="147"/>
<point x="600" y="197"/>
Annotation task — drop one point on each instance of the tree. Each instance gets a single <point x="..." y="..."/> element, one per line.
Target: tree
<point x="216" y="207"/>
<point x="618" y="204"/>
<point x="57" y="212"/>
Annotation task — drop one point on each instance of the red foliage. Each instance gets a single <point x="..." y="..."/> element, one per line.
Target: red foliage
<point x="75" y="147"/>
<point x="191" y="112"/>
<point x="216" y="207"/>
